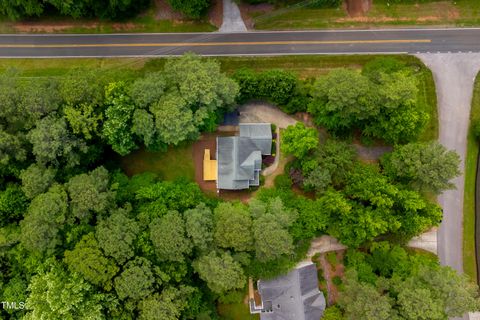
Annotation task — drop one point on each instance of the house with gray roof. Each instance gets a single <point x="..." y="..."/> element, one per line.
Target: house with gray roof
<point x="239" y="158"/>
<point x="294" y="296"/>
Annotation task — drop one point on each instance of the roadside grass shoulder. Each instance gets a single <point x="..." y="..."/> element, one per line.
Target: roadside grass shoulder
<point x="383" y="13"/>
<point x="469" y="256"/>
<point x="144" y="22"/>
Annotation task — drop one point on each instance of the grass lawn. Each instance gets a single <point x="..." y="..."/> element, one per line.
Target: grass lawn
<point x="175" y="163"/>
<point x="382" y="13"/>
<point x="469" y="258"/>
<point x="237" y="311"/>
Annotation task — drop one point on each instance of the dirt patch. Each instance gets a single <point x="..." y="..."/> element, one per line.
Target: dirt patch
<point x="356" y="8"/>
<point x="330" y="272"/>
<point x="163" y="11"/>
<point x="27" y="27"/>
<point x="215" y="14"/>
<point x="251" y="11"/>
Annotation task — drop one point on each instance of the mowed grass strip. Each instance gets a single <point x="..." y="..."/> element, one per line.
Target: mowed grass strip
<point x="469" y="256"/>
<point x="176" y="162"/>
<point x="383" y="13"/>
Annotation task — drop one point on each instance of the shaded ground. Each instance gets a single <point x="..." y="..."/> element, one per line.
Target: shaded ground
<point x="176" y="162"/>
<point x="371" y="153"/>
<point x="330" y="271"/>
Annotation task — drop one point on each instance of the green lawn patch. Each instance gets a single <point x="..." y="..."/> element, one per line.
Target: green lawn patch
<point x="236" y="311"/>
<point x="382" y="13"/>
<point x="469" y="257"/>
<point x="176" y="162"/>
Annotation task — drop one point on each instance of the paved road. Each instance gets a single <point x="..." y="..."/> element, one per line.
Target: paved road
<point x="247" y="43"/>
<point x="454" y="77"/>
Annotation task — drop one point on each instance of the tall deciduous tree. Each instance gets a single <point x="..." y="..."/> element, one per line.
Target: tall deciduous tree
<point x="116" y="235"/>
<point x="174" y="120"/>
<point x="45" y="217"/>
<point x="220" y="272"/>
<point x="299" y="140"/>
<point x="136" y="281"/>
<point x="270" y="229"/>
<point x="58" y="294"/>
<point x="36" y="179"/>
<point x="199" y="226"/>
<point x="88" y="260"/>
<point x="363" y="301"/>
<point x="149" y="89"/>
<point x="424" y="166"/>
<point x="89" y="193"/>
<point x="54" y="144"/>
<point x="233" y="226"/>
<point x="118" y="118"/>
<point x="169" y="237"/>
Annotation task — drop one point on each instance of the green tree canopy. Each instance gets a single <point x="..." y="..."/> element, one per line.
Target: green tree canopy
<point x="116" y="235"/>
<point x="36" y="179"/>
<point x="45" y="217"/>
<point x="58" y="295"/>
<point x="88" y="260"/>
<point x="299" y="140"/>
<point x="89" y="192"/>
<point x="136" y="280"/>
<point x="169" y="238"/>
<point x="423" y="166"/>
<point x="233" y="226"/>
<point x="118" y="117"/>
<point x="53" y="144"/>
<point x="199" y="226"/>
<point x="220" y="272"/>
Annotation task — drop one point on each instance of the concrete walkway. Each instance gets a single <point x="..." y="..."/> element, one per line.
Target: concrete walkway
<point x="454" y="77"/>
<point x="232" y="19"/>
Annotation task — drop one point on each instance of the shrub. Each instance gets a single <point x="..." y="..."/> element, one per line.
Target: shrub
<point x="283" y="181"/>
<point x="337" y="281"/>
<point x="191" y="8"/>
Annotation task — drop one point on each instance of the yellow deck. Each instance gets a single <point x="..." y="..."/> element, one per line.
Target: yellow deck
<point x="209" y="167"/>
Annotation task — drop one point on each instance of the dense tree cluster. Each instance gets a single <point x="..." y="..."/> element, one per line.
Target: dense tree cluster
<point x="396" y="284"/>
<point x="381" y="101"/>
<point x="76" y="232"/>
<point x="75" y="9"/>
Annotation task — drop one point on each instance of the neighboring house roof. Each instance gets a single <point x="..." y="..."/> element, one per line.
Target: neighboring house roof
<point x="239" y="158"/>
<point x="294" y="296"/>
<point x="260" y="133"/>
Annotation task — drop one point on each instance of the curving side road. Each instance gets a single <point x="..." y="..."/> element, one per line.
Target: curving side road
<point x="454" y="76"/>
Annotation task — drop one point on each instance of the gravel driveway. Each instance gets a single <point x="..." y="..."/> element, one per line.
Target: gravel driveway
<point x="263" y="112"/>
<point x="454" y="77"/>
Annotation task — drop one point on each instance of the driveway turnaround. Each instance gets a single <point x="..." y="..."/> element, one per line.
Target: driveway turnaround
<point x="454" y="77"/>
<point x="242" y="43"/>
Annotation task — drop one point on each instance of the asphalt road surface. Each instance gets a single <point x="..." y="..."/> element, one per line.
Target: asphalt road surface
<point x="249" y="43"/>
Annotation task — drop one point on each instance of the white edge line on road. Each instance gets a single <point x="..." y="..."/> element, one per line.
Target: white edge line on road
<point x="227" y="33"/>
<point x="206" y="55"/>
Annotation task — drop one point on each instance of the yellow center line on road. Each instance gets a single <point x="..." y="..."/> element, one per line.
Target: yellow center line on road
<point x="212" y="44"/>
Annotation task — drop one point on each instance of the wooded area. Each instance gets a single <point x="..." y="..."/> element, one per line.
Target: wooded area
<point x="76" y="232"/>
